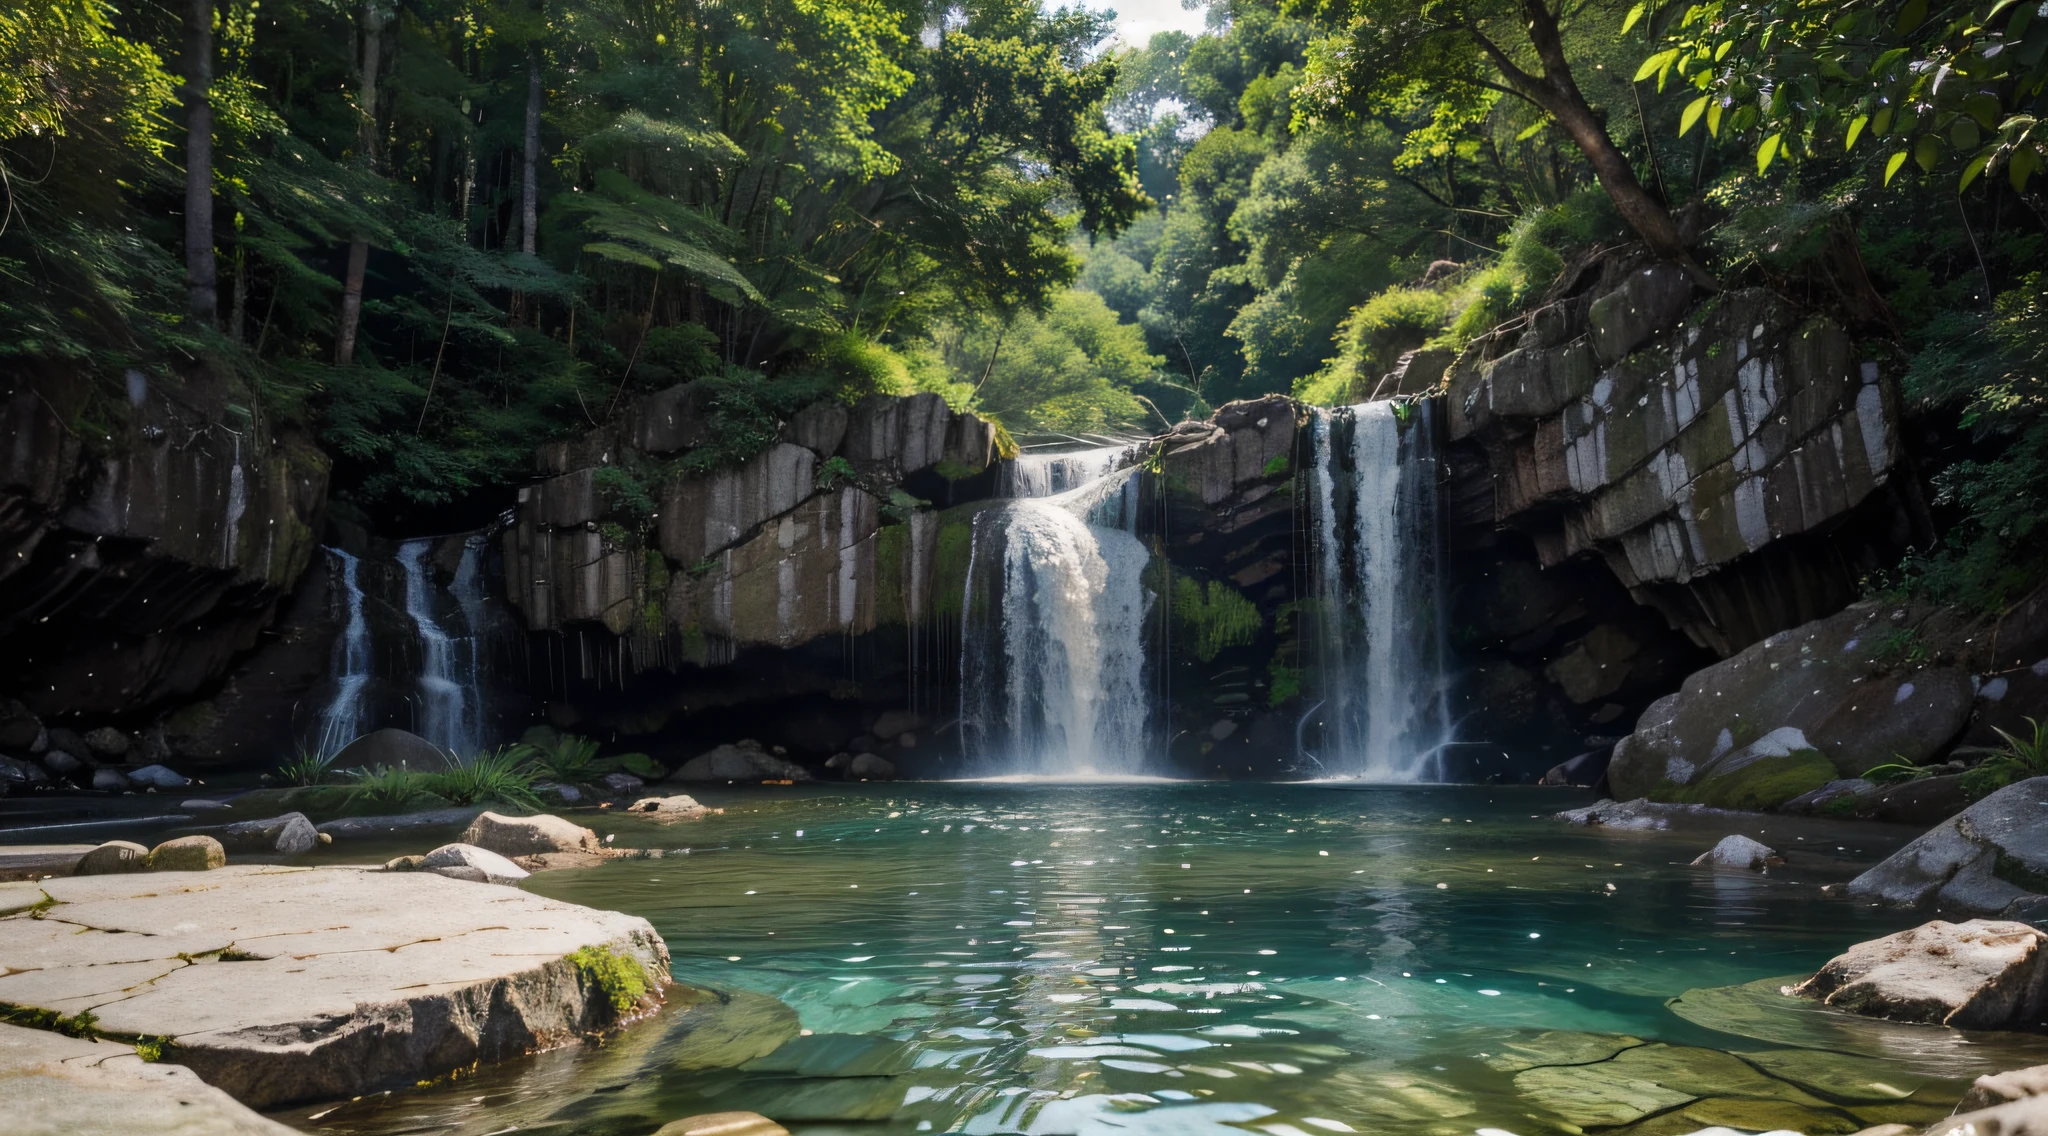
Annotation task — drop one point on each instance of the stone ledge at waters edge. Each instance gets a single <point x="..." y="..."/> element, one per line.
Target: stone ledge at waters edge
<point x="68" y="1086"/>
<point x="1990" y="859"/>
<point x="280" y="985"/>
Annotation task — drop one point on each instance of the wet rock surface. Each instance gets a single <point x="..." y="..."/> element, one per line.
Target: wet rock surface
<point x="283" y="984"/>
<point x="1990" y="858"/>
<point x="1739" y="852"/>
<point x="742" y="761"/>
<point x="1981" y="974"/>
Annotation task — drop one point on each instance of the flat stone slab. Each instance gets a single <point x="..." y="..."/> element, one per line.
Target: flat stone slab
<point x="34" y="861"/>
<point x="66" y="1086"/>
<point x="281" y="984"/>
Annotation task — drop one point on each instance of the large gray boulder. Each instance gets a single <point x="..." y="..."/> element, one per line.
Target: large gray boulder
<point x="393" y="746"/>
<point x="742" y="761"/>
<point x="1835" y="683"/>
<point x="188" y="854"/>
<point x="112" y="858"/>
<point x="1739" y="851"/>
<point x="1990" y="858"/>
<point x="344" y="981"/>
<point x="287" y="835"/>
<point x="530" y="836"/>
<point x="1982" y="974"/>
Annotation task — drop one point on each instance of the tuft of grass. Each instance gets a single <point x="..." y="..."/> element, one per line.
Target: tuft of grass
<point x="2017" y="760"/>
<point x="306" y="767"/>
<point x="152" y="1047"/>
<point x="618" y="975"/>
<point x="84" y="1024"/>
<point x="501" y="775"/>
<point x="388" y="788"/>
<point x="1898" y="772"/>
<point x="563" y="758"/>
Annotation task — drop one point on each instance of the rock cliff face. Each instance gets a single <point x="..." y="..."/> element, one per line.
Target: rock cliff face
<point x="144" y="544"/>
<point x="1689" y="447"/>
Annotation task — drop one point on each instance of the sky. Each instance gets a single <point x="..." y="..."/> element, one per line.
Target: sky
<point x="1136" y="20"/>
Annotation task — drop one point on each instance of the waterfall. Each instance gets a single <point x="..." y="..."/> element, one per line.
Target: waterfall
<point x="1052" y="669"/>
<point x="451" y="707"/>
<point x="1043" y="475"/>
<point x="1380" y="636"/>
<point x="342" y="721"/>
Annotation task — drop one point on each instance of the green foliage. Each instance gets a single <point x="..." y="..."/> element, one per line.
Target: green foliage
<point x="835" y="471"/>
<point x="747" y="412"/>
<point x="2017" y="760"/>
<point x="501" y="776"/>
<point x="1898" y="772"/>
<point x="153" y="1047"/>
<point x="619" y="976"/>
<point x="306" y="767"/>
<point x="565" y="759"/>
<point x="391" y="789"/>
<point x="83" y="1024"/>
<point x="1211" y="615"/>
<point x="1373" y="337"/>
<point x="1284" y="684"/>
<point x="624" y="498"/>
<point x="1074" y="369"/>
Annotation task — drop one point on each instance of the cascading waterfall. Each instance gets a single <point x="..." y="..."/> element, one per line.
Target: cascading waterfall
<point x="1384" y="710"/>
<point x="1052" y="672"/>
<point x="342" y="721"/>
<point x="451" y="705"/>
<point x="1043" y="475"/>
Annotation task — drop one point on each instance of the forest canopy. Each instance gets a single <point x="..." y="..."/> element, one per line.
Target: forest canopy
<point x="432" y="233"/>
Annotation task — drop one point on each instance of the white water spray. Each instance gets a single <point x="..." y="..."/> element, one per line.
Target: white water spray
<point x="1381" y="649"/>
<point x="1053" y="679"/>
<point x="342" y="721"/>
<point x="451" y="708"/>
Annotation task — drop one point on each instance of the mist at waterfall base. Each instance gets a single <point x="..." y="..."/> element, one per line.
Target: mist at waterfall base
<point x="414" y="655"/>
<point x="1379" y="710"/>
<point x="1053" y="661"/>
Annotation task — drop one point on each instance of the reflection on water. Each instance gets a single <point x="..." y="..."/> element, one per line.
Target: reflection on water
<point x="985" y="958"/>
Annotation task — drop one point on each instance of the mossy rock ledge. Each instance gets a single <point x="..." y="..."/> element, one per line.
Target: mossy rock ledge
<point x="282" y="985"/>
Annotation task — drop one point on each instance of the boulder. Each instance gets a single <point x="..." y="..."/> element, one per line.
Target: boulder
<point x="668" y="810"/>
<point x="54" y="1084"/>
<point x="19" y="728"/>
<point x="2025" y="1117"/>
<point x="1831" y="680"/>
<point x="188" y="854"/>
<point x="393" y="746"/>
<point x="461" y="860"/>
<point x="1636" y="814"/>
<point x="344" y="982"/>
<point x="110" y="780"/>
<point x="1584" y="771"/>
<point x="1739" y="852"/>
<point x="2004" y="1088"/>
<point x="1982" y="974"/>
<point x="1835" y="797"/>
<point x="70" y="741"/>
<point x="159" y="777"/>
<point x="60" y="763"/>
<point x="13" y="769"/>
<point x="112" y="858"/>
<point x="529" y="836"/>
<point x="562" y="794"/>
<point x="107" y="742"/>
<point x="1991" y="857"/>
<point x="723" y="1124"/>
<point x="621" y="784"/>
<point x="742" y="761"/>
<point x="869" y="767"/>
<point x="286" y="835"/>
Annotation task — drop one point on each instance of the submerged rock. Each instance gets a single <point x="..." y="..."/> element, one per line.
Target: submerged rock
<point x="742" y="761"/>
<point x="467" y="861"/>
<point x="723" y="1124"/>
<point x="869" y="767"/>
<point x="112" y="858"/>
<point x="679" y="807"/>
<point x="188" y="854"/>
<point x="1636" y="814"/>
<point x="1990" y="858"/>
<point x="621" y="784"/>
<point x="1739" y="852"/>
<point x="1976" y="975"/>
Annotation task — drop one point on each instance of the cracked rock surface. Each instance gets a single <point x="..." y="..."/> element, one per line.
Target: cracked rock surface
<point x="66" y="1086"/>
<point x="289" y="984"/>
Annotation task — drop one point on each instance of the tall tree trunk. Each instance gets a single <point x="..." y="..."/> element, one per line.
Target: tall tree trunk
<point x="529" y="184"/>
<point x="202" y="286"/>
<point x="359" y="249"/>
<point x="1558" y="93"/>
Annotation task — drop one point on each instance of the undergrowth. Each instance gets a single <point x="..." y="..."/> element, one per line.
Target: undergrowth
<point x="618" y="975"/>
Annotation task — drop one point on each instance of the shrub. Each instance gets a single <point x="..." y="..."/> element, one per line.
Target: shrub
<point x="306" y="767"/>
<point x="390" y="789"/>
<point x="501" y="776"/>
<point x="563" y="758"/>
<point x="2017" y="760"/>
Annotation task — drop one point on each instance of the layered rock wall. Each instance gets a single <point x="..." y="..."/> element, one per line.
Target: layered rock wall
<point x="145" y="544"/>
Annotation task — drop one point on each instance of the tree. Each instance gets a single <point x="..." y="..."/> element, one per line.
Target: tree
<point x="1918" y="80"/>
<point x="372" y="34"/>
<point x="201" y="285"/>
<point x="1379" y="53"/>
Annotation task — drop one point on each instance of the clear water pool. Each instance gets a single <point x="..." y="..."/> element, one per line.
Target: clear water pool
<point x="1219" y="958"/>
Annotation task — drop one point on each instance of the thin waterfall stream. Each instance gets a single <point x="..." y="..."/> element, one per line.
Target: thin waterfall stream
<point x="343" y="718"/>
<point x="1379" y="635"/>
<point x="451" y="705"/>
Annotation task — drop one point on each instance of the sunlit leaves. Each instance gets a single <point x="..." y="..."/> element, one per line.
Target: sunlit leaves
<point x="1768" y="152"/>
<point x="1691" y="117"/>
